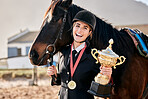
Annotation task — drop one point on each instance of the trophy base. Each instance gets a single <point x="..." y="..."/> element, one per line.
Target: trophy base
<point x="100" y="90"/>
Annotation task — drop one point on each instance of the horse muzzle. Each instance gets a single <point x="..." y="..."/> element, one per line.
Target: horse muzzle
<point x="35" y="60"/>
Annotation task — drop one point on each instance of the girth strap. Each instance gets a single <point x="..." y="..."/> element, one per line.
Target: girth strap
<point x="145" y="93"/>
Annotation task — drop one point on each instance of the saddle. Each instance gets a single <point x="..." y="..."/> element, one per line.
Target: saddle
<point x="140" y="40"/>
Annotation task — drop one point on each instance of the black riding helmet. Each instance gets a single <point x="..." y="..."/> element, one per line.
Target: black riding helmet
<point x="86" y="17"/>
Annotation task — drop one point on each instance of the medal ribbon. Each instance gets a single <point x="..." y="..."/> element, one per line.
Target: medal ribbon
<point x="73" y="68"/>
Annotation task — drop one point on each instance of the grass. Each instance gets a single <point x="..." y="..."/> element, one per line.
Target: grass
<point x="23" y="72"/>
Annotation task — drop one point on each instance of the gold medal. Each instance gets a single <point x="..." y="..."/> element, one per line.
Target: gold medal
<point x="72" y="85"/>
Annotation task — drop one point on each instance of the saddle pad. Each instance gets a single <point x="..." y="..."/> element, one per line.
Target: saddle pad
<point x="140" y="40"/>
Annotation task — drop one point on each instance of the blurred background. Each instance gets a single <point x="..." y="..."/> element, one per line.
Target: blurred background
<point x="20" y="21"/>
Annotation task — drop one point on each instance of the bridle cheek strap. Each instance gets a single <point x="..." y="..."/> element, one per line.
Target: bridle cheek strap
<point x="47" y="52"/>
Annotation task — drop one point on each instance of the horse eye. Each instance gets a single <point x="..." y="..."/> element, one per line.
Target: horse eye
<point x="54" y="19"/>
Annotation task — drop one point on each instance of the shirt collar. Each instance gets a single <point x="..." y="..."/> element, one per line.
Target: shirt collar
<point x="79" y="47"/>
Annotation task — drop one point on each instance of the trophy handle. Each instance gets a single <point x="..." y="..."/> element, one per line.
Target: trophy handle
<point x="94" y="51"/>
<point x="120" y="58"/>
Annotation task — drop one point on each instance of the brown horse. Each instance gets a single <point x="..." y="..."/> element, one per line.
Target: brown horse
<point x="130" y="78"/>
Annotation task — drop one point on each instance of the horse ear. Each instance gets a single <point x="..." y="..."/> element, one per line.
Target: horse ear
<point x="66" y="3"/>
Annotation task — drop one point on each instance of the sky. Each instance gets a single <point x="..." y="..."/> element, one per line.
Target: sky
<point x="144" y="1"/>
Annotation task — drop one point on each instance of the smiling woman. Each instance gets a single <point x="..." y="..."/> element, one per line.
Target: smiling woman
<point x="80" y="68"/>
<point x="81" y="31"/>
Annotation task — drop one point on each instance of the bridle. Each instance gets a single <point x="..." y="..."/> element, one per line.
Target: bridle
<point x="52" y="46"/>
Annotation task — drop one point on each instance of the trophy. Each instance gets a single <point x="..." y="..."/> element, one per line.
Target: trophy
<point x="101" y="87"/>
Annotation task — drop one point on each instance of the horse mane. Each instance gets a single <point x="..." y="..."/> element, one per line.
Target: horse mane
<point x="52" y="5"/>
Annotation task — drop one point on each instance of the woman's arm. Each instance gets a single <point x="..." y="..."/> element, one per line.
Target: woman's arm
<point x="51" y="71"/>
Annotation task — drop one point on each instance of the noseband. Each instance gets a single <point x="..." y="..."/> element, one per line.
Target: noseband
<point x="52" y="46"/>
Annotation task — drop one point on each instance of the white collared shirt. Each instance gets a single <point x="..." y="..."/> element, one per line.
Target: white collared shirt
<point x="79" y="48"/>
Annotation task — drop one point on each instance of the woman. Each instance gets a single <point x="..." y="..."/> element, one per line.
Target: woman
<point x="76" y="74"/>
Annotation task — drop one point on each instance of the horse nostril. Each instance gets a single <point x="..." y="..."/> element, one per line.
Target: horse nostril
<point x="34" y="54"/>
<point x="31" y="54"/>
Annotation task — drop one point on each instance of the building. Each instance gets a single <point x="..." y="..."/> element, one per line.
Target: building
<point x="18" y="48"/>
<point x="19" y="44"/>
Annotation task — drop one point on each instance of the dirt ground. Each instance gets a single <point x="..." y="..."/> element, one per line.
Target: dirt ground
<point x="19" y="88"/>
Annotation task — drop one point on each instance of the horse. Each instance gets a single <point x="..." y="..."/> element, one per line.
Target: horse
<point x="129" y="79"/>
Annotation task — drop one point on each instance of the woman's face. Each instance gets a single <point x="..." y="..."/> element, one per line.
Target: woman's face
<point x="81" y="31"/>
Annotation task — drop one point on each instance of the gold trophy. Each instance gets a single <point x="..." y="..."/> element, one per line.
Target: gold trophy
<point x="107" y="57"/>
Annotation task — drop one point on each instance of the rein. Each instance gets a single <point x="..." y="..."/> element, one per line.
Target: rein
<point x="48" y="52"/>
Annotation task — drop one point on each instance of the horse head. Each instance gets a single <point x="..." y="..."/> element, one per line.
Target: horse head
<point x="53" y="32"/>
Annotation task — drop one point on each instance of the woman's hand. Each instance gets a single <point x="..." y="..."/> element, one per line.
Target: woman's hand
<point x="106" y="71"/>
<point x="52" y="70"/>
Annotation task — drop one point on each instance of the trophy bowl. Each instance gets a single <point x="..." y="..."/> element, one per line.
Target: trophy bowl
<point x="107" y="57"/>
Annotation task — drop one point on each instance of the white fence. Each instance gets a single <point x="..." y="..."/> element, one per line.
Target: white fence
<point x="21" y="62"/>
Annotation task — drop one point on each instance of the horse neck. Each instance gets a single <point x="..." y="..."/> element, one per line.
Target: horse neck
<point x="73" y="10"/>
<point x="103" y="32"/>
